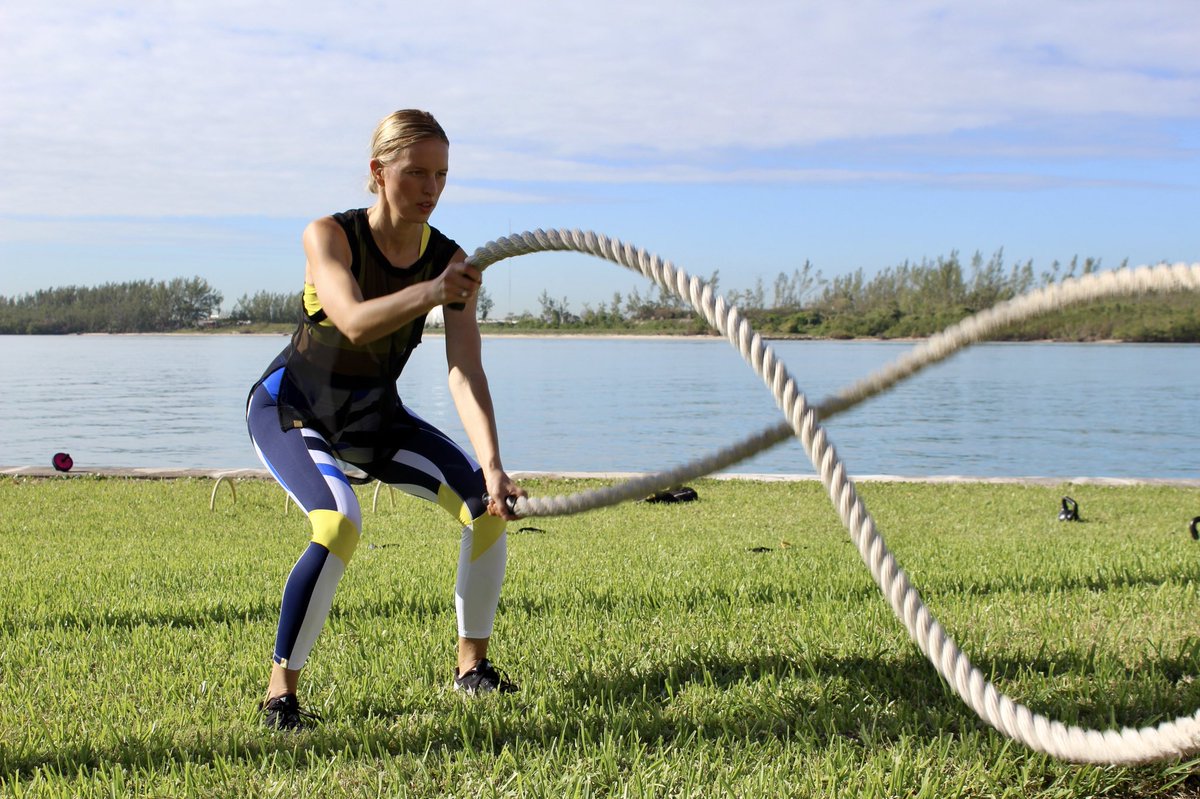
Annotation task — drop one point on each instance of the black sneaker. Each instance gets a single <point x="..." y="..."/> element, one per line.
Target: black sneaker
<point x="284" y="713"/>
<point x="483" y="679"/>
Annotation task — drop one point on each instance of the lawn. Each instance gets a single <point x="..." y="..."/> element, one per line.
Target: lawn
<point x="733" y="646"/>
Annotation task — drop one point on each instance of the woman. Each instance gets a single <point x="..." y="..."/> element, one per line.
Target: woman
<point x="330" y="397"/>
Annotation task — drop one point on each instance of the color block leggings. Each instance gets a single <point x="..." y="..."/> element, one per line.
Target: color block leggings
<point x="429" y="465"/>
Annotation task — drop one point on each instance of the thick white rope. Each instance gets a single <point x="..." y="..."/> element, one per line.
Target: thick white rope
<point x="1171" y="739"/>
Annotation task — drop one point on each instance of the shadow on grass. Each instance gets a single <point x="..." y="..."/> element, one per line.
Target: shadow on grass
<point x="814" y="702"/>
<point x="422" y="606"/>
<point x="1155" y="690"/>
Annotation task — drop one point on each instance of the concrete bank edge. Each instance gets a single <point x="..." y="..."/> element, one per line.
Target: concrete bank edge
<point x="170" y="473"/>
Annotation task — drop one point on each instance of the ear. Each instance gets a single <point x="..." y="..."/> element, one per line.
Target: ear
<point x="376" y="168"/>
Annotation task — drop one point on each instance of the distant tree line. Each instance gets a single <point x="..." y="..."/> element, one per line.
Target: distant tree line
<point x="140" y="306"/>
<point x="908" y="300"/>
<point x="267" y="307"/>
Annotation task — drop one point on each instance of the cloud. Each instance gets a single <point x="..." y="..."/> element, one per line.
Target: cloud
<point x="219" y="108"/>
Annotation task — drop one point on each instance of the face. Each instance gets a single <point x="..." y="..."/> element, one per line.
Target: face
<point x="413" y="181"/>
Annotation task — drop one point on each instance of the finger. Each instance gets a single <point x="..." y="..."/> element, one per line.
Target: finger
<point x="503" y="513"/>
<point x="506" y="509"/>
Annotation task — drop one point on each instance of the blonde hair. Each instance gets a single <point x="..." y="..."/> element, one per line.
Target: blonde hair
<point x="398" y="130"/>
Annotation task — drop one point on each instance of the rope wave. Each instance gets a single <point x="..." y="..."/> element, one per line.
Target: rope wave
<point x="1168" y="740"/>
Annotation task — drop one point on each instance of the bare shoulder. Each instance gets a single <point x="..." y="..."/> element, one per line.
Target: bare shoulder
<point x="324" y="236"/>
<point x="322" y="228"/>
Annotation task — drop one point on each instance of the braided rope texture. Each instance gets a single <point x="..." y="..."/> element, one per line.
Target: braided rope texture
<point x="1169" y="740"/>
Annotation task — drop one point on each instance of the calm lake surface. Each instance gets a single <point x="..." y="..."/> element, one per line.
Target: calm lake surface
<point x="612" y="404"/>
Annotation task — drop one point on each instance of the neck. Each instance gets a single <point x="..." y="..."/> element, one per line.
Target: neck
<point x="390" y="228"/>
<point x="399" y="240"/>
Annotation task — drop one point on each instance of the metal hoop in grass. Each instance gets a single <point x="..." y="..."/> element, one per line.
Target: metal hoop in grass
<point x="212" y="500"/>
<point x="230" y="480"/>
<point x="1171" y="739"/>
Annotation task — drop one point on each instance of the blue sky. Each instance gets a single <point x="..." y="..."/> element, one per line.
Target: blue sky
<point x="162" y="139"/>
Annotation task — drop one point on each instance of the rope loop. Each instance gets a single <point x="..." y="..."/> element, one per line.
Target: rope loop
<point x="1169" y="740"/>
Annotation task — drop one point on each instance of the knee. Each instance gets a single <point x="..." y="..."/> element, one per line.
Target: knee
<point x="336" y="532"/>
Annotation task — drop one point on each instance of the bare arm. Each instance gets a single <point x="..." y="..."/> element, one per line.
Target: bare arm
<point x="362" y="321"/>
<point x="473" y="400"/>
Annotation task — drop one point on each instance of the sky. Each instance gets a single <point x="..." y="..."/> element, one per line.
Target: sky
<point x="160" y="139"/>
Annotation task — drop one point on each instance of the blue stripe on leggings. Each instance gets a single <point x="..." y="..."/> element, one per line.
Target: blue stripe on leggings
<point x="297" y="594"/>
<point x="329" y="470"/>
<point x="271" y="384"/>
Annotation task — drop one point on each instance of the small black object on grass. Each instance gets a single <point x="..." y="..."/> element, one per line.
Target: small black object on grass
<point x="1070" y="511"/>
<point x="681" y="494"/>
<point x="1192" y="529"/>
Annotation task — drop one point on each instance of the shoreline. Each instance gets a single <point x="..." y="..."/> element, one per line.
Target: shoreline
<point x="177" y="473"/>
<point x="592" y="336"/>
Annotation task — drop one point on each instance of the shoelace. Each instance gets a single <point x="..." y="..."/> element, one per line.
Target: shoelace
<point x="290" y="711"/>
<point x="486" y="673"/>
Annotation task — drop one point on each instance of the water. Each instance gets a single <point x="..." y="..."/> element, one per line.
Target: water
<point x="571" y="404"/>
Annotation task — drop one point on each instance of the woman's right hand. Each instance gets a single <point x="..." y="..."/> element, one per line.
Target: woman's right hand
<point x="458" y="283"/>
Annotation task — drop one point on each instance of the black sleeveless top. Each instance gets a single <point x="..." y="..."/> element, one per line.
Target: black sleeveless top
<point x="347" y="391"/>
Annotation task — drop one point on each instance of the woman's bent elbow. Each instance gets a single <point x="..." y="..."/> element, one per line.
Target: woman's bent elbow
<point x="358" y="335"/>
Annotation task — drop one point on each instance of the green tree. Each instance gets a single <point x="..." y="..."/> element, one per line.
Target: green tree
<point x="555" y="313"/>
<point x="190" y="300"/>
<point x="265" y="306"/>
<point x="484" y="304"/>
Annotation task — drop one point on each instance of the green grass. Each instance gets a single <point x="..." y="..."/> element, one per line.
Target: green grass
<point x="658" y="655"/>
